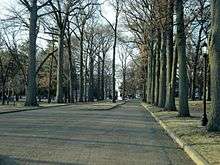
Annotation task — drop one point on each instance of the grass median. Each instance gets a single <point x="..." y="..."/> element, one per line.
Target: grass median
<point x="100" y="105"/>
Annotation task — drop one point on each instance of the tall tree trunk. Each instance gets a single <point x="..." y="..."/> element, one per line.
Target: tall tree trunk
<point x="144" y="90"/>
<point x="124" y="82"/>
<point x="71" y="72"/>
<point x="75" y="81"/>
<point x="50" y="78"/>
<point x="81" y="78"/>
<point x="113" y="67"/>
<point x="149" y="77"/>
<point x="91" y="79"/>
<point x="108" y="87"/>
<point x="67" y="92"/>
<point x="153" y="75"/>
<point x="60" y="92"/>
<point x="173" y="80"/>
<point x="86" y="81"/>
<point x="209" y="84"/>
<point x="181" y="49"/>
<point x="157" y="86"/>
<point x="170" y="105"/>
<point x="31" y="94"/>
<point x="195" y="64"/>
<point x="103" y="78"/>
<point x="114" y="97"/>
<point x="214" y="121"/>
<point x="162" y="91"/>
<point x="150" y="84"/>
<point x="99" y="79"/>
<point x="3" y="94"/>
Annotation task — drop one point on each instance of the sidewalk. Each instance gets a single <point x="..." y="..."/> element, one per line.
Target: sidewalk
<point x="201" y="146"/>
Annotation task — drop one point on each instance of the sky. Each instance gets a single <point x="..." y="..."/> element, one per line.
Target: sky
<point x="4" y="4"/>
<point x="108" y="11"/>
<point x="106" y="7"/>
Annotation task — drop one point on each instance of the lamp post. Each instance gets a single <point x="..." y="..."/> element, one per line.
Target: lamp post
<point x="205" y="55"/>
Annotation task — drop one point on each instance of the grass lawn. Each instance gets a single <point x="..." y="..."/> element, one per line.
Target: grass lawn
<point x="191" y="132"/>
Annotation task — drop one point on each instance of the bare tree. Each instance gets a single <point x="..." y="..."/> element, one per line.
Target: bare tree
<point x="214" y="124"/>
<point x="181" y="50"/>
<point x="33" y="9"/>
<point x="117" y="5"/>
<point x="123" y="56"/>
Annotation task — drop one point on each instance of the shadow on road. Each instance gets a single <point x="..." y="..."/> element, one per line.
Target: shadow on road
<point x="7" y="160"/>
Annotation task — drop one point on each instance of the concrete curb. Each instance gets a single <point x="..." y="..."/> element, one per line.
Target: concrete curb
<point x="194" y="155"/>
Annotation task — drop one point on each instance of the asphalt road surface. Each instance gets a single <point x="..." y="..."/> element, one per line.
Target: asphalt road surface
<point x="126" y="135"/>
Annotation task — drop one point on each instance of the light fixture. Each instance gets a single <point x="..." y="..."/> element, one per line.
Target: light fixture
<point x="205" y="49"/>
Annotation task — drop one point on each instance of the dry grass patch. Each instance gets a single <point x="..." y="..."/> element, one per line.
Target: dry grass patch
<point x="191" y="132"/>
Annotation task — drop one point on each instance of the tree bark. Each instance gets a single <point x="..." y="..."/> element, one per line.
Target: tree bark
<point x="91" y="79"/>
<point x="103" y="78"/>
<point x="162" y="90"/>
<point x="214" y="120"/>
<point x="50" y="79"/>
<point x="181" y="49"/>
<point x="60" y="92"/>
<point x="99" y="79"/>
<point x="195" y="64"/>
<point x="144" y="91"/>
<point x="170" y="105"/>
<point x="157" y="86"/>
<point x="85" y="86"/>
<point x="75" y="81"/>
<point x="153" y="75"/>
<point x="113" y="66"/>
<point x="209" y="83"/>
<point x="149" y="74"/>
<point x="114" y="97"/>
<point x="81" y="78"/>
<point x="71" y="71"/>
<point x="124" y="81"/>
<point x="31" y="94"/>
<point x="3" y="94"/>
<point x="173" y="81"/>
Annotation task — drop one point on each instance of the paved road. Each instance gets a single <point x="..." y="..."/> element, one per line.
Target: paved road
<point x="127" y="135"/>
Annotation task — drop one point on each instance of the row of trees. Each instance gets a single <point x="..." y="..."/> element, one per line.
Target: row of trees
<point x="170" y="35"/>
<point x="74" y="66"/>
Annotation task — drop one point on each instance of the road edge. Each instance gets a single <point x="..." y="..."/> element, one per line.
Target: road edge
<point x="117" y="105"/>
<point x="33" y="109"/>
<point x="110" y="108"/>
<point x="55" y="106"/>
<point x="194" y="155"/>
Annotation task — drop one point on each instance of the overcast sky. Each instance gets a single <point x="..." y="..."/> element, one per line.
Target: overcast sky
<point x="107" y="9"/>
<point x="2" y="7"/>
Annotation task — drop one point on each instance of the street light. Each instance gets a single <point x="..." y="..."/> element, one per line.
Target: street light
<point x="205" y="55"/>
